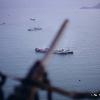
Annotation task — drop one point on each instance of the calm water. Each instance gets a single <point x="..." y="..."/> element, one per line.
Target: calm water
<point x="83" y="37"/>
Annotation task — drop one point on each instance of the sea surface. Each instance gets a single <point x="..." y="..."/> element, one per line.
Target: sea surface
<point x="82" y="37"/>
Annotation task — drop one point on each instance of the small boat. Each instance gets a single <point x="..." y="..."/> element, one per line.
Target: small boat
<point x="2" y="23"/>
<point x="61" y="51"/>
<point x="32" y="19"/>
<point x="30" y="30"/>
<point x="35" y="29"/>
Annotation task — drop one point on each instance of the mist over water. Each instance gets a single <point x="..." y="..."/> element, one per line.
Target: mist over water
<point x="82" y="36"/>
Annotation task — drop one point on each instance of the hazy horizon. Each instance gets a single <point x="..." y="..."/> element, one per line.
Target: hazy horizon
<point x="71" y="4"/>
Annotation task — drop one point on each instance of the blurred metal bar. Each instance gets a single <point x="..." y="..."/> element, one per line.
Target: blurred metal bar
<point x="54" y="42"/>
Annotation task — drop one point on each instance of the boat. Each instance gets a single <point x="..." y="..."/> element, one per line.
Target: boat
<point x="32" y="19"/>
<point x="35" y="29"/>
<point x="3" y="23"/>
<point x="30" y="29"/>
<point x="61" y="51"/>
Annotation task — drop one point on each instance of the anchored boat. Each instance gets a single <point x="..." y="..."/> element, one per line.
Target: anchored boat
<point x="61" y="51"/>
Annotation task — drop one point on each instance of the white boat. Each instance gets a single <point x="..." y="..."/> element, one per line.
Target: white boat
<point x="61" y="51"/>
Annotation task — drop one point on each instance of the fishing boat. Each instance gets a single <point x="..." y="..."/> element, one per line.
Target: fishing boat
<point x="60" y="51"/>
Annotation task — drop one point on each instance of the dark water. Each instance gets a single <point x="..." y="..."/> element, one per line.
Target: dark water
<point x="83" y="37"/>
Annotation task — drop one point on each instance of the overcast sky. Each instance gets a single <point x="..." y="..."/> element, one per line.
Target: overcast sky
<point x="47" y="3"/>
